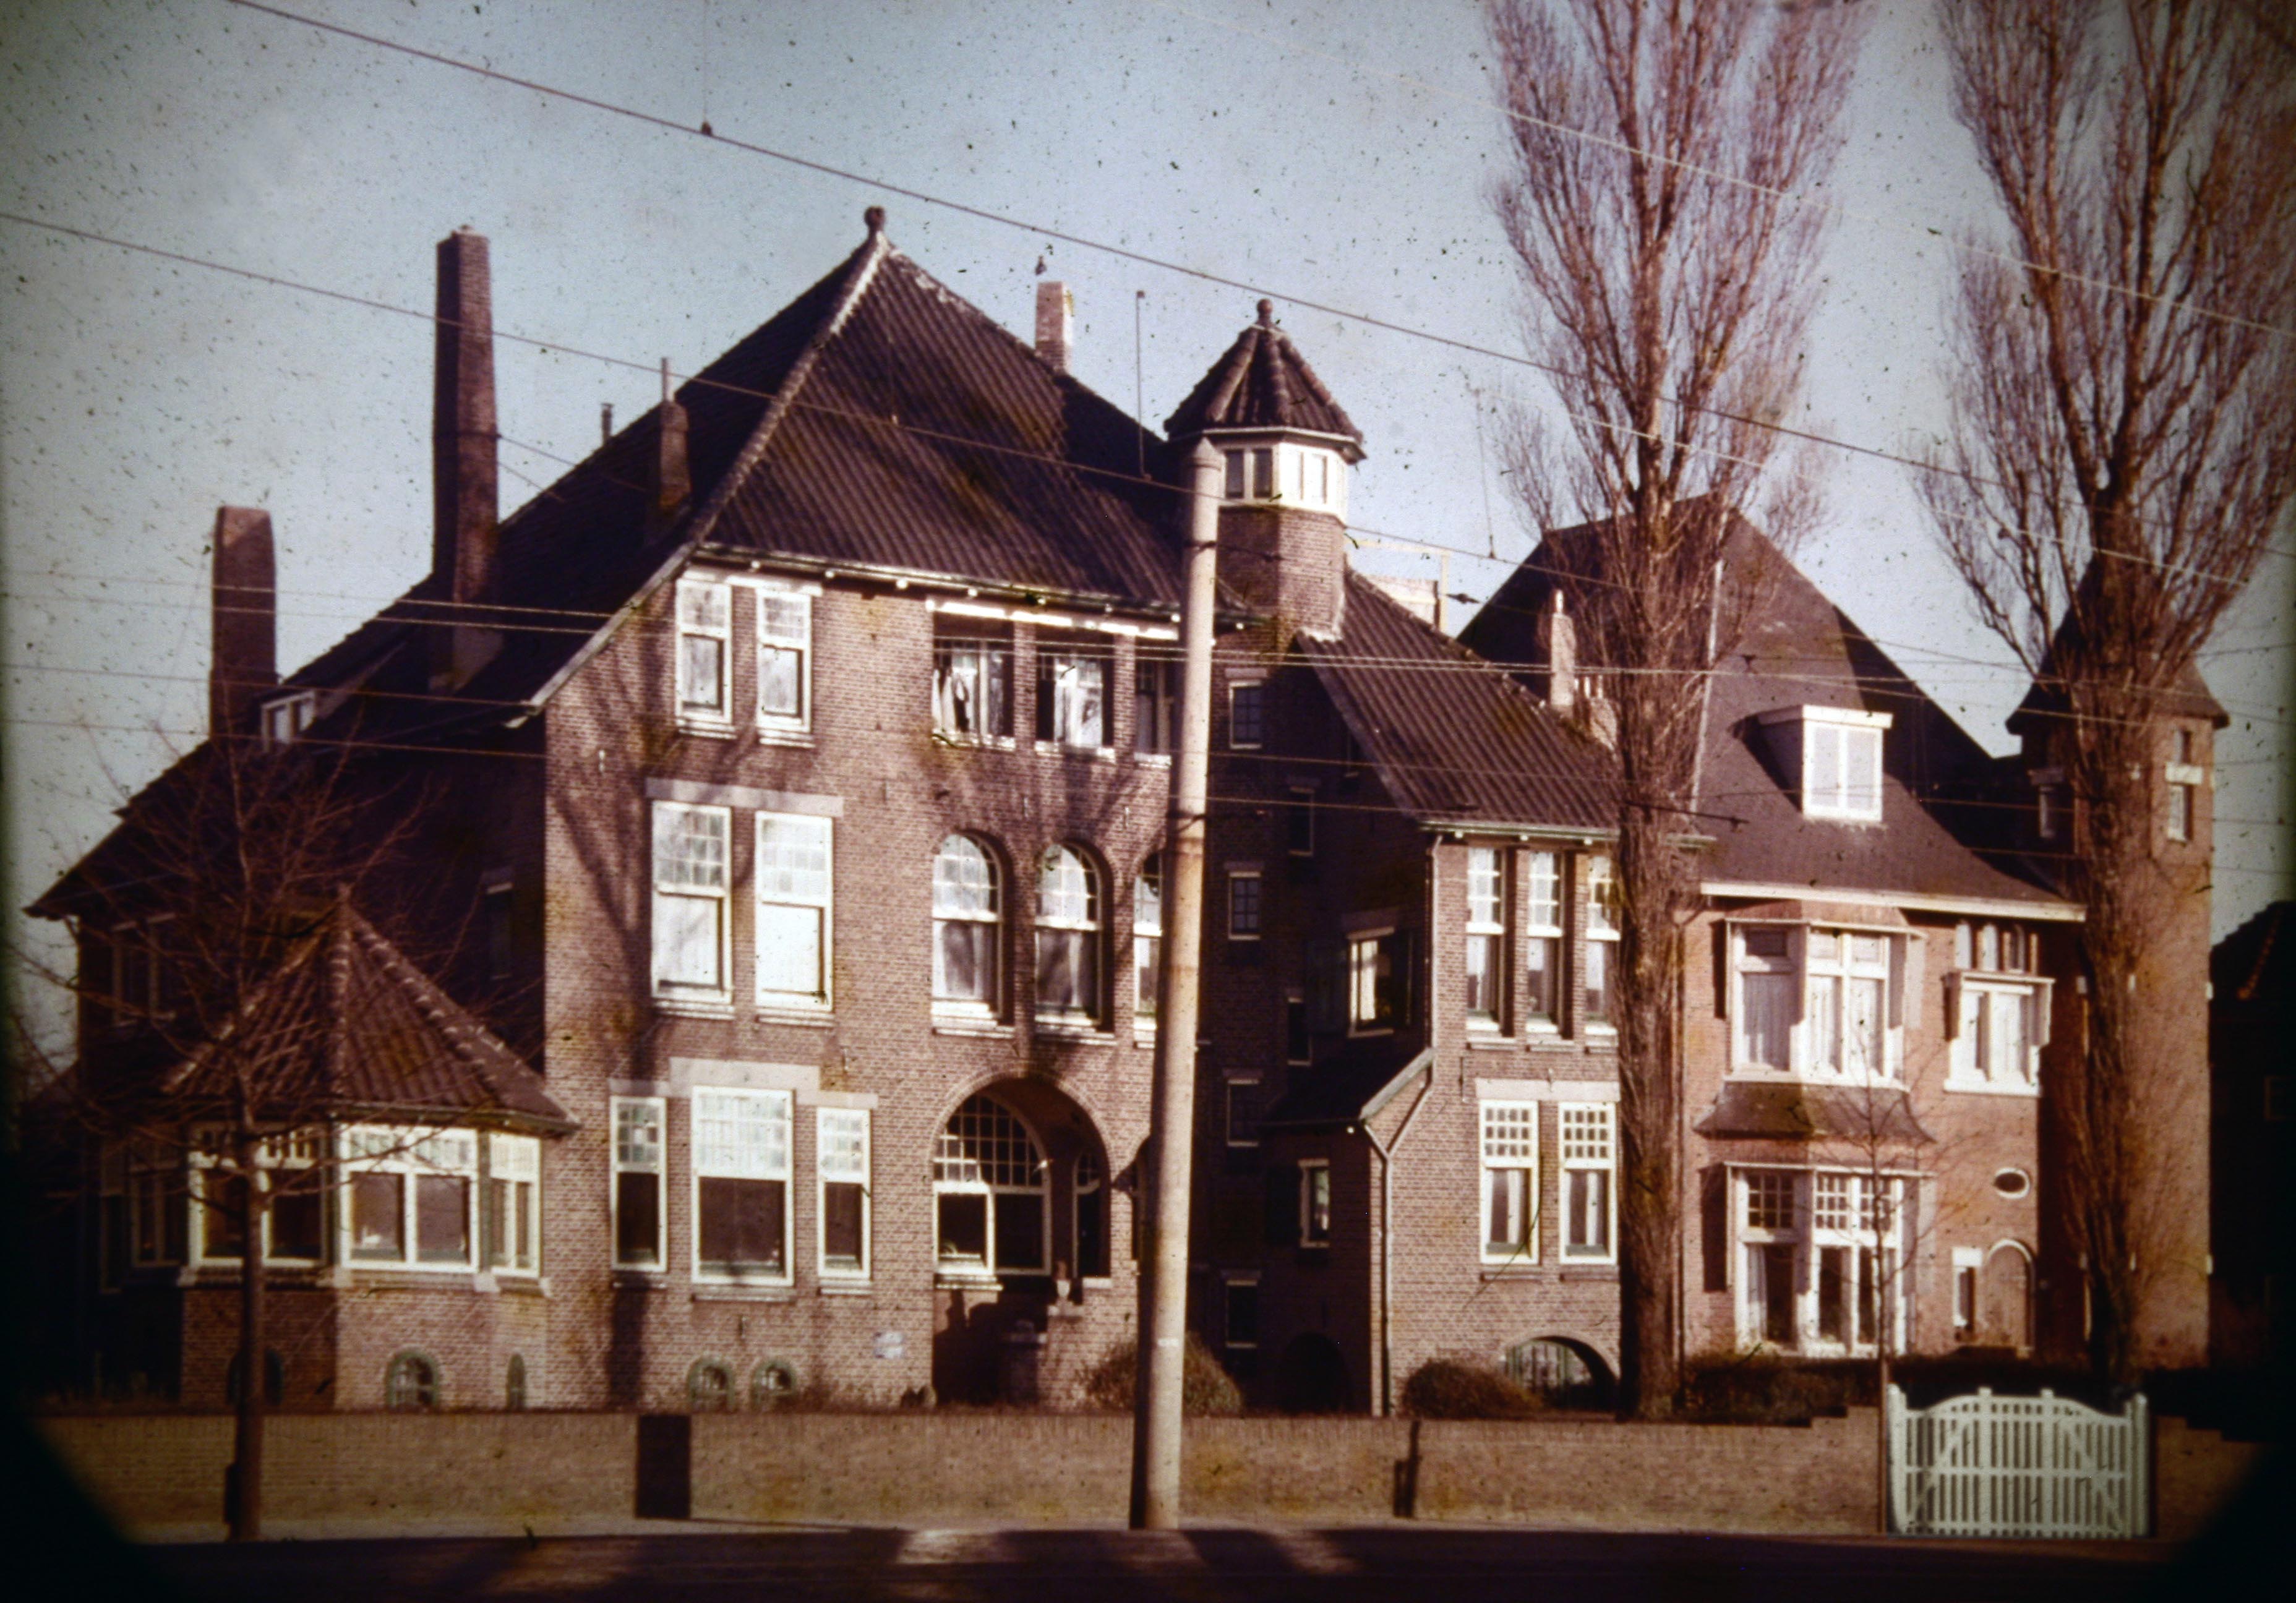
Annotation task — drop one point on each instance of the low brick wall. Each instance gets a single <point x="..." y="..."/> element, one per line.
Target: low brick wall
<point x="163" y="1474"/>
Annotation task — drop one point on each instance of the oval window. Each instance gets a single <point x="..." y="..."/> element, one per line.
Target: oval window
<point x="2012" y="1183"/>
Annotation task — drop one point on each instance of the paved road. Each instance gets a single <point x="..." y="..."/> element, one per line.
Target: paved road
<point x="1200" y="1565"/>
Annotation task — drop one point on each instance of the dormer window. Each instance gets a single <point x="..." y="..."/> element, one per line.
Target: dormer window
<point x="1835" y="755"/>
<point x="288" y="716"/>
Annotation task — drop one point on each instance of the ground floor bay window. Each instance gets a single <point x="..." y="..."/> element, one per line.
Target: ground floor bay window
<point x="1820" y="1259"/>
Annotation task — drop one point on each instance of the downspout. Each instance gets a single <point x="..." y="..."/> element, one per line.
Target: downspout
<point x="1386" y="1237"/>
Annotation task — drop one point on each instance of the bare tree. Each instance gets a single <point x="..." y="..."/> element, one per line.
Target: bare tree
<point x="197" y="918"/>
<point x="2123" y="448"/>
<point x="1657" y="149"/>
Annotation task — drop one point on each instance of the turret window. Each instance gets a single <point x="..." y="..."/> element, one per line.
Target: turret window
<point x="2183" y="776"/>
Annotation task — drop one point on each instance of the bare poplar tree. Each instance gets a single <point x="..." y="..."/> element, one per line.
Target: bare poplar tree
<point x="2122" y="449"/>
<point x="221" y="875"/>
<point x="1658" y="148"/>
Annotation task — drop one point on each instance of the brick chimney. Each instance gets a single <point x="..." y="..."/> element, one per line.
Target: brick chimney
<point x="1558" y="646"/>
<point x="245" y="664"/>
<point x="1055" y="315"/>
<point x="464" y="504"/>
<point x="673" y="477"/>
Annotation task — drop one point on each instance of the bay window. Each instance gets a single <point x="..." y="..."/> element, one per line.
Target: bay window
<point x="1509" y="1141"/>
<point x="741" y="1184"/>
<point x="1822" y="1256"/>
<point x="793" y="910"/>
<point x="289" y="1169"/>
<point x="513" y="1203"/>
<point x="411" y="1197"/>
<point x="691" y="873"/>
<point x="1486" y="945"/>
<point x="1817" y="1002"/>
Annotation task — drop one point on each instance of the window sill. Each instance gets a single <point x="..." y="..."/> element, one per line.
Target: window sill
<point x="1479" y="1041"/>
<point x="812" y="1018"/>
<point x="1153" y="759"/>
<point x="964" y="1279"/>
<point x="679" y="1008"/>
<point x="1987" y="1088"/>
<point x="727" y="1292"/>
<point x="975" y="742"/>
<point x="1590" y="1272"/>
<point x="626" y="1277"/>
<point x="984" y="1028"/>
<point x="1519" y="1271"/>
<point x="1053" y="1029"/>
<point x="1061" y="748"/>
<point x="783" y="737"/>
<point x="706" y="729"/>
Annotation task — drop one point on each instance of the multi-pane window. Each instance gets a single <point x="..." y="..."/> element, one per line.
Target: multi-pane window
<point x="1314" y="1203"/>
<point x="1999" y="1029"/>
<point x="1242" y="1110"/>
<point x="965" y="926"/>
<point x="287" y="1169"/>
<point x="793" y="910"/>
<point x="784" y="662"/>
<point x="1147" y="939"/>
<point x="1072" y="694"/>
<point x="1853" y="1257"/>
<point x="1379" y="981"/>
<point x="1767" y="989"/>
<point x="705" y="652"/>
<point x="1509" y="1139"/>
<point x="1602" y="938"/>
<point x="410" y="1196"/>
<point x="690" y="875"/>
<point x="1486" y="948"/>
<point x="1589" y="1161"/>
<point x="1846" y="1008"/>
<point x="991" y="1192"/>
<point x="972" y="681"/>
<point x="638" y="1180"/>
<point x="1244" y="904"/>
<point x="511" y="1225"/>
<point x="842" y="1161"/>
<point x="1247" y="715"/>
<point x="1821" y="1254"/>
<point x="1155" y="702"/>
<point x="1841" y="768"/>
<point x="1542" y="920"/>
<point x="741" y="1183"/>
<point x="1068" y="937"/>
<point x="1770" y="1243"/>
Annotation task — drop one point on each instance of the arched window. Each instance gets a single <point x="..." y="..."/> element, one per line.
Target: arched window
<point x="773" y="1382"/>
<point x="411" y="1383"/>
<point x="275" y="1379"/>
<point x="710" y="1387"/>
<point x="965" y="928"/>
<point x="991" y="1192"/>
<point x="514" y="1383"/>
<point x="1068" y="938"/>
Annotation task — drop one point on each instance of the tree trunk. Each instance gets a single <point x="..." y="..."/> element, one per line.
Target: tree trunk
<point x="244" y="1486"/>
<point x="1650" y="1212"/>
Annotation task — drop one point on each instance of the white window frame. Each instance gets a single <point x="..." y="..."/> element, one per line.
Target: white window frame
<point x="1257" y="687"/>
<point x="1058" y="709"/>
<point x="1506" y="1142"/>
<point x="694" y="887"/>
<point x="785" y="884"/>
<point x="298" y="1151"/>
<point x="1824" y="741"/>
<point x="989" y="645"/>
<point x="1147" y="942"/>
<point x="1968" y="1274"/>
<point x="1362" y="951"/>
<point x="1258" y="898"/>
<point x="514" y="1162"/>
<point x="791" y="635"/>
<point x="1543" y="924"/>
<point x="841" y="1156"/>
<point x="1315" y="1202"/>
<point x="1602" y="937"/>
<point x="1587" y="1135"/>
<point x="1080" y="934"/>
<point x="957" y="1173"/>
<point x="1156" y="687"/>
<point x="1893" y="971"/>
<point x="1847" y="968"/>
<point x="629" y="1117"/>
<point x="1486" y="929"/>
<point x="1846" y="1196"/>
<point x="284" y="718"/>
<point x="2184" y="779"/>
<point x="704" y="611"/>
<point x="413" y="1154"/>
<point x="769" y="1116"/>
<point x="993" y="919"/>
<point x="1972" y="1061"/>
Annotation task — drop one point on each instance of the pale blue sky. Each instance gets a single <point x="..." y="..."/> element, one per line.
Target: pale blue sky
<point x="1337" y="151"/>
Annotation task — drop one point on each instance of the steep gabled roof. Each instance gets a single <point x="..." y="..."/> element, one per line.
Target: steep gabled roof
<point x="1456" y="739"/>
<point x="346" y="1024"/>
<point x="1796" y="649"/>
<point x="1262" y="382"/>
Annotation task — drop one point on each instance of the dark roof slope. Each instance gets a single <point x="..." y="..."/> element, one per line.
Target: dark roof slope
<point x="346" y="1023"/>
<point x="1261" y="382"/>
<point x="1456" y="739"/>
<point x="1795" y="648"/>
<point x="2256" y="964"/>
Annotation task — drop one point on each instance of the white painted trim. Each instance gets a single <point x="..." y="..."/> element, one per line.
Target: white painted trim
<point x="695" y="793"/>
<point x="1826" y="714"/>
<point x="2051" y="910"/>
<point x="1546" y="1091"/>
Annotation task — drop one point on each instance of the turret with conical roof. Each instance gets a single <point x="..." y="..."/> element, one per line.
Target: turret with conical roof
<point x="1288" y="447"/>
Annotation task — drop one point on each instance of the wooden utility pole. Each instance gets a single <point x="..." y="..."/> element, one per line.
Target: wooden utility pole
<point x="1172" y="1116"/>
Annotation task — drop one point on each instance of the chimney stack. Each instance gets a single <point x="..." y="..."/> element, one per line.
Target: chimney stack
<point x="1558" y="642"/>
<point x="673" y="479"/>
<point x="1056" y="313"/>
<point x="463" y="493"/>
<point x="244" y="666"/>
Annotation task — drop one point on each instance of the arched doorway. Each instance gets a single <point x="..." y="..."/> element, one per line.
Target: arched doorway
<point x="1021" y="1221"/>
<point x="1562" y="1372"/>
<point x="1311" y="1378"/>
<point x="2004" y="1298"/>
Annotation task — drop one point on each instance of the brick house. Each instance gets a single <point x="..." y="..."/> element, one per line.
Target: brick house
<point x="1879" y="983"/>
<point x="2251" y="979"/>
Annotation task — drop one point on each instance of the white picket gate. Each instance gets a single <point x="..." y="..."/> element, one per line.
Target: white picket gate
<point x="2045" y="1466"/>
